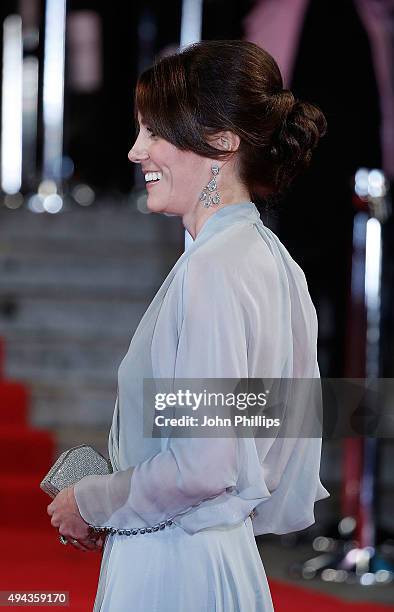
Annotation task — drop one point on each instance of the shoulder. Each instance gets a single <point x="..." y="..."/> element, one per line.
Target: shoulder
<point x="237" y="256"/>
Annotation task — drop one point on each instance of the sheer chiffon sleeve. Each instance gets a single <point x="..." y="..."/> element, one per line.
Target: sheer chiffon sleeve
<point x="209" y="342"/>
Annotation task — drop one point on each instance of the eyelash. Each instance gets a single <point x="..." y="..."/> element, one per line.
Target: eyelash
<point x="148" y="129"/>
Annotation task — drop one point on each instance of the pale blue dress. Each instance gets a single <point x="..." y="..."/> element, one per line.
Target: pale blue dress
<point x="235" y="305"/>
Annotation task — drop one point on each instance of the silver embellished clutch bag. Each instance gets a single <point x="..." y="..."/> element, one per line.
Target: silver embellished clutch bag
<point x="71" y="466"/>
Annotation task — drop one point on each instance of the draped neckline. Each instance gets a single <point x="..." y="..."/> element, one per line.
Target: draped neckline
<point x="226" y="216"/>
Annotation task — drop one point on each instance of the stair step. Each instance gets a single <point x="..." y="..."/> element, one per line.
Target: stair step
<point x="71" y="401"/>
<point x="2" y="357"/>
<point x="74" y="287"/>
<point x="44" y="317"/>
<point x="105" y="222"/>
<point x="26" y="451"/>
<point x="23" y="503"/>
<point x="14" y="399"/>
<point x="139" y="273"/>
<point x="70" y="360"/>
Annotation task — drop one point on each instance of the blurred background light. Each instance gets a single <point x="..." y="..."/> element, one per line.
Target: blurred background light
<point x="191" y="22"/>
<point x="347" y="525"/>
<point x="53" y="203"/>
<point x="84" y="51"/>
<point x="67" y="167"/>
<point x="376" y="184"/>
<point x="46" y="188"/>
<point x="53" y="88"/>
<point x="13" y="200"/>
<point x="372" y="263"/>
<point x="370" y="183"/>
<point x="383" y="576"/>
<point x="361" y="182"/>
<point x="83" y="195"/>
<point x="35" y="203"/>
<point x="30" y="108"/>
<point x="367" y="579"/>
<point x="141" y="203"/>
<point x="11" y="114"/>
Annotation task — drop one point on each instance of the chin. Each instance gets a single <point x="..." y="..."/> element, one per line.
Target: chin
<point x="155" y="205"/>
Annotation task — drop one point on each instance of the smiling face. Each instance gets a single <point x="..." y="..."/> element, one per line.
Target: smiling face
<point x="182" y="174"/>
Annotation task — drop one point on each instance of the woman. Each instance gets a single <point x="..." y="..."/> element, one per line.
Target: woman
<point x="216" y="130"/>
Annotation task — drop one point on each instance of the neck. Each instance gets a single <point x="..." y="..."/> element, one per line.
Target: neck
<point x="194" y="219"/>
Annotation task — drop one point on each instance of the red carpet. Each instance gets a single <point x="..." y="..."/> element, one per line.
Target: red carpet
<point x="289" y="598"/>
<point x="32" y="557"/>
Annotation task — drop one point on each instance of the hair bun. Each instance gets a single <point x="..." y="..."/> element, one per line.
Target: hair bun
<point x="302" y="124"/>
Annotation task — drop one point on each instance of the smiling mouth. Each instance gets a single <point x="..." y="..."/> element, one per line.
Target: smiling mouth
<point x="151" y="178"/>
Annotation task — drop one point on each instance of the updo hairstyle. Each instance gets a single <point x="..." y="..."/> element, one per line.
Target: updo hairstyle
<point x="235" y="85"/>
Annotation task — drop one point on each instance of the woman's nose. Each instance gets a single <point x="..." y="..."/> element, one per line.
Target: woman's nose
<point x="137" y="153"/>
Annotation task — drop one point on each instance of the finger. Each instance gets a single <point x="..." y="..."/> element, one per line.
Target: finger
<point x="77" y="544"/>
<point x="100" y="542"/>
<point x="96" y="542"/>
<point x="54" y="522"/>
<point x="81" y="542"/>
<point x="93" y="537"/>
<point x="88" y="544"/>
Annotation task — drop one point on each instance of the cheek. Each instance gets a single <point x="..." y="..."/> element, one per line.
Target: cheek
<point x="186" y="174"/>
<point x="186" y="186"/>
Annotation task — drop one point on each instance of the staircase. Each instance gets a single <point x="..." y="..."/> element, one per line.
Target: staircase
<point x="73" y="287"/>
<point x="26" y="454"/>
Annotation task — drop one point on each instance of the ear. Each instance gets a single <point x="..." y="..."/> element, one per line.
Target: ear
<point x="226" y="141"/>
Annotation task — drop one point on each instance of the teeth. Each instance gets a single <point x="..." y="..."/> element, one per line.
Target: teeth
<point x="152" y="176"/>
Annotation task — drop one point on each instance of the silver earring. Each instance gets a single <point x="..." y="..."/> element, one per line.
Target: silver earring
<point x="210" y="195"/>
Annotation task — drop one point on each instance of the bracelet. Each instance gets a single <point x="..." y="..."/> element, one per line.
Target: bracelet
<point x="130" y="532"/>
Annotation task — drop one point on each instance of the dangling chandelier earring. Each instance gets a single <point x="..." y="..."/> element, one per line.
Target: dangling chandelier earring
<point x="210" y="195"/>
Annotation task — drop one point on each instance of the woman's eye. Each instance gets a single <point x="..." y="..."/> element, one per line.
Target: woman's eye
<point x="148" y="129"/>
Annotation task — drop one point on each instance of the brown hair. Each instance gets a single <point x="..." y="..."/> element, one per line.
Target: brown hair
<point x="233" y="85"/>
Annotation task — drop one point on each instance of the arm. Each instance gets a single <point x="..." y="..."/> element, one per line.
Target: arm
<point x="210" y="344"/>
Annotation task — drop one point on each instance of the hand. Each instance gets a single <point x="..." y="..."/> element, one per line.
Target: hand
<point x="65" y="515"/>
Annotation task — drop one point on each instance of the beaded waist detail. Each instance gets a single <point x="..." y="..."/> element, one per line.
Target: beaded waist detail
<point x="129" y="532"/>
<point x="137" y="530"/>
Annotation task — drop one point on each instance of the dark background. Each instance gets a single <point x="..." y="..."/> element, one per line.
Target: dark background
<point x="333" y="69"/>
